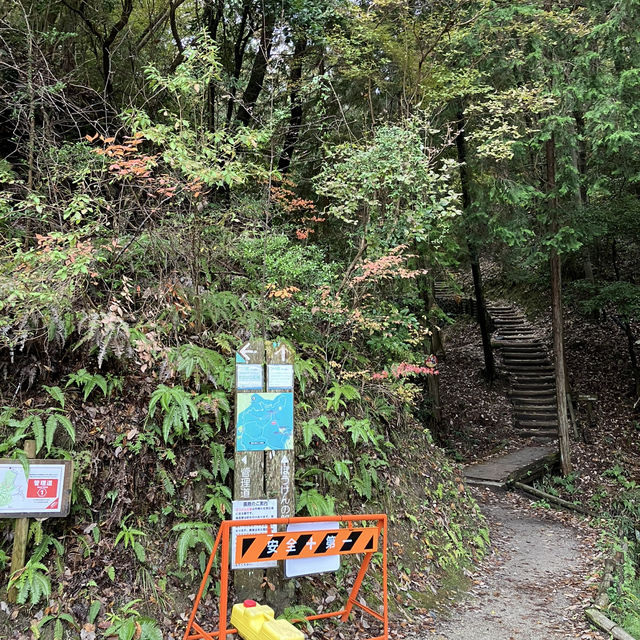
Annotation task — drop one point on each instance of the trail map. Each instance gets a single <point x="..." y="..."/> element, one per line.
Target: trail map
<point x="264" y="421"/>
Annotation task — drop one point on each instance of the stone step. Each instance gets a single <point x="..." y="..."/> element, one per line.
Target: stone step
<point x="534" y="352"/>
<point x="532" y="369"/>
<point x="514" y="332"/>
<point x="532" y="393"/>
<point x="528" y="365"/>
<point x="535" y="416"/>
<point x="530" y="361"/>
<point x="523" y="347"/>
<point x="538" y="424"/>
<point x="538" y="433"/>
<point x="532" y="386"/>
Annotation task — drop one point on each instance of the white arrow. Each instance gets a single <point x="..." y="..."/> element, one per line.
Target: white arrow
<point x="282" y="351"/>
<point x="246" y="350"/>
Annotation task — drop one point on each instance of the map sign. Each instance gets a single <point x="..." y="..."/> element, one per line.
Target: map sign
<point x="264" y="421"/>
<point x="45" y="493"/>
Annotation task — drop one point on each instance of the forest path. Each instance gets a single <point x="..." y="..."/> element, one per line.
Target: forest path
<point x="534" y="583"/>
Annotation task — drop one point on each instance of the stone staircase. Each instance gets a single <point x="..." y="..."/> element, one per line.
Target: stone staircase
<point x="525" y="359"/>
<point x="452" y="301"/>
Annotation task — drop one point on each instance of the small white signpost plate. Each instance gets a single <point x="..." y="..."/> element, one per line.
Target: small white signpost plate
<point x="252" y="510"/>
<point x="310" y="566"/>
<point x="44" y="494"/>
<point x="249" y="377"/>
<point x="279" y="377"/>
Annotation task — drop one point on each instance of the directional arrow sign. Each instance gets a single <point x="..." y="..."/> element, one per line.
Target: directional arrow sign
<point x="251" y="352"/>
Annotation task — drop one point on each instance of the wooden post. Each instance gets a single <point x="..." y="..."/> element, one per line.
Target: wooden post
<point x="280" y="468"/>
<point x="572" y="414"/>
<point x="21" y="533"/>
<point x="248" y="480"/>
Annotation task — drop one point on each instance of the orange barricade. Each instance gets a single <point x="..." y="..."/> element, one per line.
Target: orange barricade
<point x="299" y="544"/>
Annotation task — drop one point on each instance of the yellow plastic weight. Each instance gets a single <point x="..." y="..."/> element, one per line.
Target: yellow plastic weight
<point x="256" y="622"/>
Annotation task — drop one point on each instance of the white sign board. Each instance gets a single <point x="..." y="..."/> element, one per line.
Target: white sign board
<point x="45" y="493"/>
<point x="310" y="566"/>
<point x="279" y="377"/>
<point x="252" y="510"/>
<point x="249" y="377"/>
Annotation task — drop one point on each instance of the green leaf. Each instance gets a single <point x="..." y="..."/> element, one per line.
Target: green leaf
<point x="56" y="393"/>
<point x="94" y="610"/>
<point x="149" y="631"/>
<point x="38" y="431"/>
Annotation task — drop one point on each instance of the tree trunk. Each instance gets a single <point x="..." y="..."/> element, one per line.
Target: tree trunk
<point x="212" y="15"/>
<point x="633" y="356"/>
<point x="556" y="318"/>
<point x="465" y="183"/>
<point x="259" y="70"/>
<point x="238" y="58"/>
<point x="580" y="161"/>
<point x="295" y="117"/>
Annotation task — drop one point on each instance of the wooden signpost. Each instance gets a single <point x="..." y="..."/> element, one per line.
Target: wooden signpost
<point x="45" y="492"/>
<point x="264" y="456"/>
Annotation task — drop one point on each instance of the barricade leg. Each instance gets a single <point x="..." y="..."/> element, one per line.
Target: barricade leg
<point x="356" y="586"/>
<point x="224" y="581"/>
<point x="207" y="572"/>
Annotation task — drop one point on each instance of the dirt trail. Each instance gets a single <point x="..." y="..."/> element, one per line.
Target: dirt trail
<point x="535" y="583"/>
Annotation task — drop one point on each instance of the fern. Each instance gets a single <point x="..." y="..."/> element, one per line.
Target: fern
<point x="362" y="431"/>
<point x="341" y="468"/>
<point x="32" y="582"/>
<point x="56" y="393"/>
<point x="220" y="465"/>
<point x="178" y="407"/>
<point x="305" y="370"/>
<point x="192" y="534"/>
<point x="201" y="364"/>
<point x="32" y="425"/>
<point x="88" y="382"/>
<point x="315" y="503"/>
<point x="219" y="499"/>
<point x="311" y="428"/>
<point x="339" y="394"/>
<point x="54" y="421"/>
<point x="219" y="307"/>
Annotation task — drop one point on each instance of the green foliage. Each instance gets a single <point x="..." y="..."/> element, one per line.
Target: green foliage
<point x="313" y="427"/>
<point x="218" y="499"/>
<point x="179" y="410"/>
<point x="38" y="424"/>
<point x="314" y="503"/>
<point x="126" y="622"/>
<point x="58" y="620"/>
<point x="203" y="365"/>
<point x="220" y="464"/>
<point x="88" y="382"/>
<point x="192" y="534"/>
<point x="129" y="538"/>
<point x="362" y="431"/>
<point x="32" y="582"/>
<point x="339" y="394"/>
